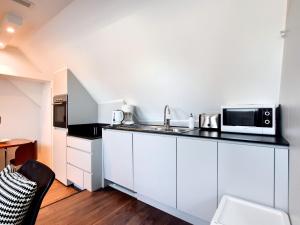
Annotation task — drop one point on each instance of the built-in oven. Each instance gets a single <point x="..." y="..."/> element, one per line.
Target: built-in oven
<point x="60" y="111"/>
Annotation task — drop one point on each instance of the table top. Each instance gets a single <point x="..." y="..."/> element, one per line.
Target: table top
<point x="14" y="143"/>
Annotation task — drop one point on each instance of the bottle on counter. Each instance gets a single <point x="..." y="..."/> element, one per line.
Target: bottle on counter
<point x="191" y="121"/>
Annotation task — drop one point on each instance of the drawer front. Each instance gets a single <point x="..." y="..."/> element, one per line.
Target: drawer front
<point x="80" y="159"/>
<point x="75" y="175"/>
<point x="79" y="143"/>
<point x="87" y="178"/>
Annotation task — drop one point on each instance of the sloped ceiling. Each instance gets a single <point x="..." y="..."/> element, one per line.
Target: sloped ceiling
<point x="193" y="55"/>
<point x="32" y="89"/>
<point x="34" y="17"/>
<point x="14" y="63"/>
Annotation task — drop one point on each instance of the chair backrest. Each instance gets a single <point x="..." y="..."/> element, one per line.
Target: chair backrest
<point x="44" y="178"/>
<point x="25" y="152"/>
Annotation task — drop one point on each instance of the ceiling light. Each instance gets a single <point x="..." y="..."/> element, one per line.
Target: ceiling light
<point x="8" y="26"/>
<point x="10" y="30"/>
<point x="25" y="3"/>
<point x="2" y="45"/>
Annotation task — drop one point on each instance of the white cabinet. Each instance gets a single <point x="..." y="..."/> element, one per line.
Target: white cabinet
<point x="118" y="162"/>
<point x="155" y="167"/>
<point x="60" y="82"/>
<point x="59" y="154"/>
<point x="187" y="176"/>
<point x="84" y="162"/>
<point x="247" y="172"/>
<point x="80" y="159"/>
<point x="75" y="175"/>
<point x="282" y="179"/>
<point x="197" y="177"/>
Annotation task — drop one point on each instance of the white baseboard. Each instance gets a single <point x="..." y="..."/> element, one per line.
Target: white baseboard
<point x="122" y="189"/>
<point x="170" y="210"/>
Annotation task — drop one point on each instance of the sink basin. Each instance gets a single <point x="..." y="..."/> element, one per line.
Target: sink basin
<point x="170" y="130"/>
<point x="160" y="129"/>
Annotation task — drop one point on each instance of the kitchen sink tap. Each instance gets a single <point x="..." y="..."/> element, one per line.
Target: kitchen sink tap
<point x="167" y="117"/>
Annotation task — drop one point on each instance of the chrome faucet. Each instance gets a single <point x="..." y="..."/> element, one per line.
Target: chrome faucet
<point x="167" y="117"/>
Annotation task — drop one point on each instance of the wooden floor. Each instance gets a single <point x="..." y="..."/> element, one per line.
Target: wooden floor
<point x="106" y="207"/>
<point x="57" y="192"/>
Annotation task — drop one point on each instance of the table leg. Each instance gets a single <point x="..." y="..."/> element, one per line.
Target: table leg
<point x="5" y="157"/>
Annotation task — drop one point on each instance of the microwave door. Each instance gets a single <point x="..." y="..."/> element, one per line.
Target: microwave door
<point x="241" y="117"/>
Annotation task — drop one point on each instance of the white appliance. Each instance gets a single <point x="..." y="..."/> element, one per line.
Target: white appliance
<point x="253" y="119"/>
<point x="234" y="211"/>
<point x="128" y="114"/>
<point x="117" y="117"/>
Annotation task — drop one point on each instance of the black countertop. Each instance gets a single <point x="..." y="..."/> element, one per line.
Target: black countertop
<point x="90" y="131"/>
<point x="216" y="135"/>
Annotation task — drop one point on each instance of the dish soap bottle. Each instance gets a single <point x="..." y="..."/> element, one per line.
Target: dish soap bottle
<point x="191" y="122"/>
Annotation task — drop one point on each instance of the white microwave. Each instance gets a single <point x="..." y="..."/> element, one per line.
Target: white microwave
<point x="251" y="119"/>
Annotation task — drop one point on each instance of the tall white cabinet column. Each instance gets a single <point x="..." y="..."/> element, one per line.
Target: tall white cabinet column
<point x="82" y="108"/>
<point x="60" y="154"/>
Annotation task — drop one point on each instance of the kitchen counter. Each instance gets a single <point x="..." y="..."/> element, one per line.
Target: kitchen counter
<point x="216" y="135"/>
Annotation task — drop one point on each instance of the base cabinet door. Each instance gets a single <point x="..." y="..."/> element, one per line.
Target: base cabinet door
<point x="247" y="172"/>
<point x="155" y="167"/>
<point x="118" y="164"/>
<point x="197" y="177"/>
<point x="60" y="154"/>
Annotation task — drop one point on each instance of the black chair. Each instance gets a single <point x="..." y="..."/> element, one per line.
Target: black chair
<point x="24" y="153"/>
<point x="44" y="178"/>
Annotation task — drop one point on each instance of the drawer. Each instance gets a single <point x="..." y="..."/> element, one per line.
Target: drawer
<point x="87" y="180"/>
<point x="79" y="143"/>
<point x="75" y="175"/>
<point x="80" y="159"/>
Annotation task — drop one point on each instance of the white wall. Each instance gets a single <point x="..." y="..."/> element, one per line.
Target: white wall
<point x="19" y="114"/>
<point x="194" y="55"/>
<point x="289" y="98"/>
<point x="35" y="87"/>
<point x="45" y="128"/>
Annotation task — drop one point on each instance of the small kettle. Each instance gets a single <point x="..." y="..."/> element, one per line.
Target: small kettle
<point x="117" y="117"/>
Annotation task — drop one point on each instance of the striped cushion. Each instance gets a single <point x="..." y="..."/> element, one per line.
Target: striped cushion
<point x="16" y="194"/>
<point x="8" y="169"/>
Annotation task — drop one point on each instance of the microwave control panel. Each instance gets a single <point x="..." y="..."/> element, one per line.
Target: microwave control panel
<point x="267" y="117"/>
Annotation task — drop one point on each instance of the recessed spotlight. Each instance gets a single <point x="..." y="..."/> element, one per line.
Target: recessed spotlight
<point x="10" y="30"/>
<point x="2" y="45"/>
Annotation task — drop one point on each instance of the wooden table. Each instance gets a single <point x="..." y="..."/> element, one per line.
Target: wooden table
<point x="12" y="143"/>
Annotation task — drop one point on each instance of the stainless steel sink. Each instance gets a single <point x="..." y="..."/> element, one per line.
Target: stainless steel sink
<point x="159" y="129"/>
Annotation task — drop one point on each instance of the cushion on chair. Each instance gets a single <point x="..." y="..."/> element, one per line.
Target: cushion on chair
<point x="16" y="194"/>
<point x="7" y="169"/>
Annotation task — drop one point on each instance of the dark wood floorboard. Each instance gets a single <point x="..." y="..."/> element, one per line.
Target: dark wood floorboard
<point x="105" y="207"/>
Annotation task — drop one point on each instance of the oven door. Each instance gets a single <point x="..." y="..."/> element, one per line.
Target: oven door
<point x="245" y="117"/>
<point x="60" y="112"/>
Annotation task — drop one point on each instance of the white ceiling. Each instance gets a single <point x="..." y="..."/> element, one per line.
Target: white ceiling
<point x="34" y="17"/>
